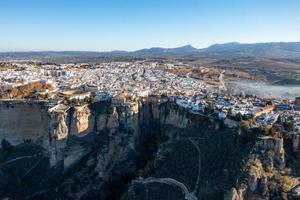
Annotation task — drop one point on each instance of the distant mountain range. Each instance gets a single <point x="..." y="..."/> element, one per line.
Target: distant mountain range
<point x="269" y="50"/>
<point x="286" y="50"/>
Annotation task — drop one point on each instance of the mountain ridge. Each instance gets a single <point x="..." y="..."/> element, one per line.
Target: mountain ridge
<point x="231" y="49"/>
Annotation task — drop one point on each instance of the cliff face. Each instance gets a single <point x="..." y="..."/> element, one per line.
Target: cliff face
<point x="32" y="121"/>
<point x="167" y="112"/>
<point x="82" y="121"/>
<point x="103" y="137"/>
<point x="144" y="148"/>
<point x="183" y="154"/>
<point x="23" y="121"/>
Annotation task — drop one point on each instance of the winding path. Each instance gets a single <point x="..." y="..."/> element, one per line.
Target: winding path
<point x="170" y="181"/>
<point x="19" y="158"/>
<point x="196" y="188"/>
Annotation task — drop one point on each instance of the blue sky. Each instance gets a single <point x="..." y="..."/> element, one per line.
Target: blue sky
<point x="101" y="25"/>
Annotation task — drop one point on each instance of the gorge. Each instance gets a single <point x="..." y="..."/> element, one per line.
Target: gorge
<point x="131" y="149"/>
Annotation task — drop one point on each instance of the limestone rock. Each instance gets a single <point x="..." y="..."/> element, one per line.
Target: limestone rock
<point x="295" y="140"/>
<point x="233" y="195"/>
<point x="59" y="126"/>
<point x="272" y="144"/>
<point x="83" y="120"/>
<point x="255" y="172"/>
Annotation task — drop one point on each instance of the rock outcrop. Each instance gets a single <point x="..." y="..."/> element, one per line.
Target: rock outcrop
<point x="82" y="120"/>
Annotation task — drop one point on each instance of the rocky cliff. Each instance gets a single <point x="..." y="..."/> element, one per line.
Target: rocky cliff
<point x="134" y="149"/>
<point x="21" y="121"/>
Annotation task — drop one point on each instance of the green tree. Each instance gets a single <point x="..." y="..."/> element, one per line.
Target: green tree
<point x="230" y="112"/>
<point x="239" y="117"/>
<point x="289" y="126"/>
<point x="272" y="131"/>
<point x="244" y="125"/>
<point x="279" y="120"/>
<point x="6" y="145"/>
<point x="264" y="130"/>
